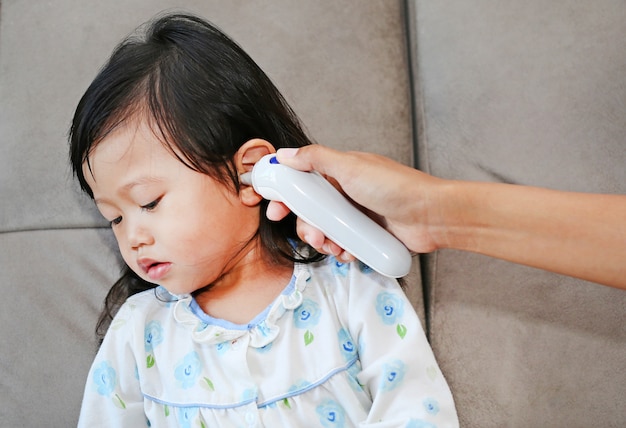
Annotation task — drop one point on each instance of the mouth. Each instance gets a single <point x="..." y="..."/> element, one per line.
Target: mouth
<point x="154" y="269"/>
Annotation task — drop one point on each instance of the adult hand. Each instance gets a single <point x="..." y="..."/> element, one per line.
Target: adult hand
<point x="395" y="195"/>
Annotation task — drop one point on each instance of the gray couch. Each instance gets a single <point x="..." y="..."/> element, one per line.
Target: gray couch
<point x="528" y="92"/>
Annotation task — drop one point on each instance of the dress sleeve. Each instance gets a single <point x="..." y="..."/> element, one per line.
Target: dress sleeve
<point x="112" y="396"/>
<point x="399" y="369"/>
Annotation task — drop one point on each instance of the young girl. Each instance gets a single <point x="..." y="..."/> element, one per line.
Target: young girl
<point x="228" y="319"/>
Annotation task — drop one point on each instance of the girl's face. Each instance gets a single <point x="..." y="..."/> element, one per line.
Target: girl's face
<point x="175" y="227"/>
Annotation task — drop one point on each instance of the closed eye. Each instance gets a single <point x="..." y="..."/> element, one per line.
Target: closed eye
<point x="152" y="205"/>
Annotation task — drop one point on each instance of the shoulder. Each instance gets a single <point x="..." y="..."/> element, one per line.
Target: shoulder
<point x="339" y="271"/>
<point x="349" y="279"/>
<point x="138" y="309"/>
<point x="145" y="301"/>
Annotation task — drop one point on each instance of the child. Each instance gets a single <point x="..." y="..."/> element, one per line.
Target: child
<point x="228" y="319"/>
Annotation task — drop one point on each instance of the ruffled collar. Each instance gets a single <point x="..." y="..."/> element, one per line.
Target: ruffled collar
<point x="262" y="330"/>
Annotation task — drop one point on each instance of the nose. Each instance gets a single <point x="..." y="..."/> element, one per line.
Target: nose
<point x="138" y="235"/>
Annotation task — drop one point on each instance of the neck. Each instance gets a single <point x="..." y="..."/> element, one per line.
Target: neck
<point x="243" y="292"/>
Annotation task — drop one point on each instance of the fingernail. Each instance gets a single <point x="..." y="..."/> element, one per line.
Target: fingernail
<point x="287" y="152"/>
<point x="345" y="257"/>
<point x="307" y="238"/>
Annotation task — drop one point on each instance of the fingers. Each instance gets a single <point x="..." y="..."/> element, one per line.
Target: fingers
<point x="294" y="159"/>
<point x="308" y="158"/>
<point x="276" y="211"/>
<point x="312" y="236"/>
<point x="328" y="162"/>
<point x="316" y="239"/>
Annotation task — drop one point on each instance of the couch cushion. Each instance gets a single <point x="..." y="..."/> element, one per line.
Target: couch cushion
<point x="526" y="92"/>
<point x="53" y="283"/>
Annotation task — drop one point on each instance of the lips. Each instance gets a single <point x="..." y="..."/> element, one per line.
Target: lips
<point x="154" y="269"/>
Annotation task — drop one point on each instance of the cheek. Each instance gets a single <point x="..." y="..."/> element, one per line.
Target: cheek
<point x="215" y="230"/>
<point x="124" y="250"/>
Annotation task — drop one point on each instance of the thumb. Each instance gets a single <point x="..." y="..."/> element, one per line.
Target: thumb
<point x="311" y="158"/>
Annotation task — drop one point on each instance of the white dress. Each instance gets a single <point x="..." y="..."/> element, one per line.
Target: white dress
<point x="340" y="347"/>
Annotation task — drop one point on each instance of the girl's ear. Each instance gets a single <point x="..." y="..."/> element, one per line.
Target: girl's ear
<point x="245" y="158"/>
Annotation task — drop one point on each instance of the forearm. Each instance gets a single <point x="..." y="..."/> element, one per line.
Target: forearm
<point x="581" y="235"/>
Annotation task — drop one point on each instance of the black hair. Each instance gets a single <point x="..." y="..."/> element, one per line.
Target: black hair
<point x="204" y="97"/>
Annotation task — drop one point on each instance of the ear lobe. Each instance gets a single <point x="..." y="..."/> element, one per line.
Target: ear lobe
<point x="245" y="158"/>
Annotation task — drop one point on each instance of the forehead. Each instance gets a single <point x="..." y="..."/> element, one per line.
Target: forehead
<point x="132" y="147"/>
<point x="129" y="137"/>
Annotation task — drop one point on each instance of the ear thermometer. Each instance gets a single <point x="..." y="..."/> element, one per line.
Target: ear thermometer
<point x="312" y="198"/>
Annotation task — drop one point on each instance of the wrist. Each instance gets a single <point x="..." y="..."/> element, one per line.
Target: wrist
<point x="456" y="220"/>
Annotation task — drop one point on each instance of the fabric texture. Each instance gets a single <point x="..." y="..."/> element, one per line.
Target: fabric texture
<point x="340" y="347"/>
<point x="533" y="93"/>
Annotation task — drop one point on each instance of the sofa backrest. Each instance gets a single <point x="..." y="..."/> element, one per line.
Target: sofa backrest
<point x="532" y="93"/>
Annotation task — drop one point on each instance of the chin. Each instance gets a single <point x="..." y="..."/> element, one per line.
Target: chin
<point x="182" y="289"/>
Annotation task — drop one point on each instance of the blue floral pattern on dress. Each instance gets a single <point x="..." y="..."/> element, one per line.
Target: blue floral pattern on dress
<point x="331" y="414"/>
<point x="419" y="423"/>
<point x="222" y="347"/>
<point x="389" y="307"/>
<point x="307" y="315"/>
<point x="431" y="405"/>
<point x="353" y="373"/>
<point x="105" y="378"/>
<point x="188" y="371"/>
<point x="338" y="268"/>
<point x="301" y="385"/>
<point x="153" y="335"/>
<point x="364" y="268"/>
<point x="186" y="416"/>
<point x="265" y="349"/>
<point x="346" y="344"/>
<point x="393" y="375"/>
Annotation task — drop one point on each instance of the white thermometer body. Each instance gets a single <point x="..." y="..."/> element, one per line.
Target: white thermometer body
<point x="312" y="198"/>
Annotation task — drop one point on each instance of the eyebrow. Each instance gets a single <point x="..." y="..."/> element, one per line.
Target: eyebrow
<point x="141" y="181"/>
